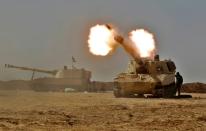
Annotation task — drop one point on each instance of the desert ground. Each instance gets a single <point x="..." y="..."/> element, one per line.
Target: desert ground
<point x="55" y="111"/>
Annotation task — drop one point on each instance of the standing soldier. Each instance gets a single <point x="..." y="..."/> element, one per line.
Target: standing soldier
<point x="179" y="81"/>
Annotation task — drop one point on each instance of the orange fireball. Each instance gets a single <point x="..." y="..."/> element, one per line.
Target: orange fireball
<point x="144" y="43"/>
<point x="101" y="40"/>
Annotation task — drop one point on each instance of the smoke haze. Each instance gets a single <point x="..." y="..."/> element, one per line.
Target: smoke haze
<point x="47" y="33"/>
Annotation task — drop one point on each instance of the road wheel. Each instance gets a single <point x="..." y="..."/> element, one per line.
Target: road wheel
<point x="169" y="91"/>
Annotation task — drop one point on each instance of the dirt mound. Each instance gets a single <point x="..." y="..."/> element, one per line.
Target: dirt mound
<point x="196" y="87"/>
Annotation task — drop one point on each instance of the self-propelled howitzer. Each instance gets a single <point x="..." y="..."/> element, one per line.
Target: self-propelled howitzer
<point x="76" y="79"/>
<point x="145" y="76"/>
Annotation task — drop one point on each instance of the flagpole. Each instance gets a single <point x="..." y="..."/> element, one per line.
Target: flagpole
<point x="72" y="63"/>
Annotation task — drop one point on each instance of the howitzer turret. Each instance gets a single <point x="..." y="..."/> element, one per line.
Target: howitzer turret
<point x="145" y="76"/>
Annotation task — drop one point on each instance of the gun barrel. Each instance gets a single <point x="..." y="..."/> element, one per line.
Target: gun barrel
<point x="128" y="48"/>
<point x="31" y="69"/>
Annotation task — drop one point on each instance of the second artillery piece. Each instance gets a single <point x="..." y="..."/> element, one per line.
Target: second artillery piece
<point x="74" y="79"/>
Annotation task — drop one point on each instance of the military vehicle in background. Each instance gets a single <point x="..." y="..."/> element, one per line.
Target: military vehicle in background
<point x="74" y="79"/>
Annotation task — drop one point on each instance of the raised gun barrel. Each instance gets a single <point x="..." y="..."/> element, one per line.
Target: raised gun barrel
<point x="128" y="48"/>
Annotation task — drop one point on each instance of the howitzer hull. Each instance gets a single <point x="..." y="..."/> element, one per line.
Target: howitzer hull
<point x="59" y="84"/>
<point x="157" y="80"/>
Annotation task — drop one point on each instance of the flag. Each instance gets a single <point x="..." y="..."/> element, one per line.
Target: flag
<point x="73" y="59"/>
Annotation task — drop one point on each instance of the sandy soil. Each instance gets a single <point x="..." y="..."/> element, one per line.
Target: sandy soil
<point x="27" y="110"/>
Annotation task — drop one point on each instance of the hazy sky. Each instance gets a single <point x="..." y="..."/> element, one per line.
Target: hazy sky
<point x="47" y="33"/>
